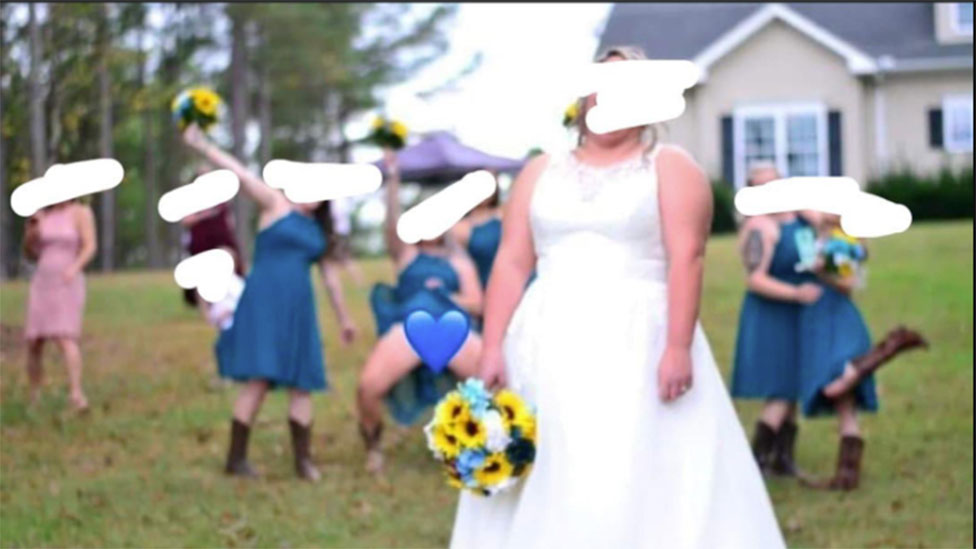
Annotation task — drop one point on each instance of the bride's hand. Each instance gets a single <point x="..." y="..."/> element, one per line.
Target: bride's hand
<point x="674" y="373"/>
<point x="491" y="369"/>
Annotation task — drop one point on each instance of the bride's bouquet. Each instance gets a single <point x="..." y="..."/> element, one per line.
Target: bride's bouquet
<point x="485" y="441"/>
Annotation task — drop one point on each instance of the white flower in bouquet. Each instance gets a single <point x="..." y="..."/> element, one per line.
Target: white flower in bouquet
<point x="496" y="435"/>
<point x="429" y="435"/>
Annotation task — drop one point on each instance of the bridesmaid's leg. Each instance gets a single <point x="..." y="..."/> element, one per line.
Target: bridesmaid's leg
<point x="774" y="412"/>
<point x="249" y="400"/>
<point x="465" y="362"/>
<point x="847" y="416"/>
<point x="35" y="368"/>
<point x="391" y="359"/>
<point x="842" y="383"/>
<point x="72" y="359"/>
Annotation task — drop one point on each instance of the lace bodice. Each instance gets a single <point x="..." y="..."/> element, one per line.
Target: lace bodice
<point x="598" y="221"/>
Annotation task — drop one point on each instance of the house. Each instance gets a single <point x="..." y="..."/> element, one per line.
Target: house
<point x="851" y="89"/>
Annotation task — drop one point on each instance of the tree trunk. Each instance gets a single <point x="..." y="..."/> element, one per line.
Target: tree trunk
<point x="154" y="258"/>
<point x="264" y="116"/>
<point x="37" y="139"/>
<point x="8" y="264"/>
<point x="106" y="198"/>
<point x="238" y="120"/>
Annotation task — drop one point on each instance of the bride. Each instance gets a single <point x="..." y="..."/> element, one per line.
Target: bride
<point x="638" y="443"/>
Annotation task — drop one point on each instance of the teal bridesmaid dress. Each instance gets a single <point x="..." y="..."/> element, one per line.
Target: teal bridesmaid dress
<point x="483" y="246"/>
<point x="832" y="333"/>
<point x="421" y="388"/>
<point x="767" y="345"/>
<point x="275" y="334"/>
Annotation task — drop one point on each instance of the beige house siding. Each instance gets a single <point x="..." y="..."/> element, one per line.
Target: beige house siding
<point x="945" y="29"/>
<point x="907" y="100"/>
<point x="777" y="64"/>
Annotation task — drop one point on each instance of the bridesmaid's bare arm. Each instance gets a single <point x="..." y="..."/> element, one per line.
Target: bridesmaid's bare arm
<point x="333" y="287"/>
<point x="469" y="296"/>
<point x="267" y="198"/>
<point x="85" y="222"/>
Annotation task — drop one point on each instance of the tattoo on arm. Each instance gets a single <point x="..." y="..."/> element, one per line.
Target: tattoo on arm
<point x="753" y="251"/>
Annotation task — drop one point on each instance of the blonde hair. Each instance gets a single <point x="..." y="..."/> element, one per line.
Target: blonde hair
<point x="758" y="166"/>
<point x="627" y="53"/>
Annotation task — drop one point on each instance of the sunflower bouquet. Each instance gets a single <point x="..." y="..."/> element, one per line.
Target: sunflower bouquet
<point x="387" y="133"/>
<point x="842" y="254"/>
<point x="195" y="106"/>
<point x="571" y="114"/>
<point x="485" y="441"/>
<point x="835" y="254"/>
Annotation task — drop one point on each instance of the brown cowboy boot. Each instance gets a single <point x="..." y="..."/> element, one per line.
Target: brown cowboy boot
<point x="897" y="341"/>
<point x="782" y="463"/>
<point x="237" y="464"/>
<point x="301" y="437"/>
<point x="762" y="446"/>
<point x="374" y="456"/>
<point x="848" y="473"/>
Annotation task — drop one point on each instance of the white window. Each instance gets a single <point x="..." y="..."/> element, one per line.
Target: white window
<point x="791" y="135"/>
<point x="961" y="14"/>
<point x="957" y="123"/>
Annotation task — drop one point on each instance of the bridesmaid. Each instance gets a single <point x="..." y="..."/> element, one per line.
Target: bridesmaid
<point x="210" y="229"/>
<point x="766" y="350"/>
<point x="479" y="233"/>
<point x="61" y="238"/>
<point x="274" y="340"/>
<point x="837" y="363"/>
<point x="431" y="276"/>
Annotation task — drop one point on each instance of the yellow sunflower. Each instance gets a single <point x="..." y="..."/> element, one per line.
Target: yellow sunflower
<point x="495" y="469"/>
<point x="206" y="101"/>
<point x="571" y="113"/>
<point x="453" y="480"/>
<point x="451" y="409"/>
<point x="513" y="409"/>
<point x="471" y="433"/>
<point x="446" y="441"/>
<point x="399" y="129"/>
<point x="841" y="235"/>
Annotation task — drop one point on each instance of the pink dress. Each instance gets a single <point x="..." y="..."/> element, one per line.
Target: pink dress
<point x="54" y="305"/>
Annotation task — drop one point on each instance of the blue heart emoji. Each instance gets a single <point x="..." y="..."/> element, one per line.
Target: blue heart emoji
<point x="436" y="341"/>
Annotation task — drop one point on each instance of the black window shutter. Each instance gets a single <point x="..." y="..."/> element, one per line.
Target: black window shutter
<point x="935" y="128"/>
<point x="728" y="151"/>
<point x="834" y="144"/>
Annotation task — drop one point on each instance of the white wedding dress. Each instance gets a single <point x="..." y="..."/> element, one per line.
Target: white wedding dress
<point x="615" y="466"/>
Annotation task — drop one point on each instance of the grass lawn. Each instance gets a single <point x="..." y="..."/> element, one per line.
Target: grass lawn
<point x="144" y="468"/>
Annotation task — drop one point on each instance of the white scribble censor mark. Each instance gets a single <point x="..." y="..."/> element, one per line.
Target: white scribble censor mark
<point x="304" y="182"/>
<point x="208" y="190"/>
<point x="862" y="214"/>
<point x="634" y="93"/>
<point x="438" y="213"/>
<point x="63" y="182"/>
<point x="210" y="272"/>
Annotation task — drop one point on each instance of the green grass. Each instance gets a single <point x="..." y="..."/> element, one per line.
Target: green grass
<point x="144" y="468"/>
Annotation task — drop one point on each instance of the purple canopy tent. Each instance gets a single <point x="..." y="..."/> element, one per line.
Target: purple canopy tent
<point x="441" y="159"/>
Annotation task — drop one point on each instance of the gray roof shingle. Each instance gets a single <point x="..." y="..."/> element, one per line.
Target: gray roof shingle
<point x="681" y="31"/>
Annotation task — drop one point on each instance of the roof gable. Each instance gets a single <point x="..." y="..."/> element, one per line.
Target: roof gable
<point x="889" y="36"/>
